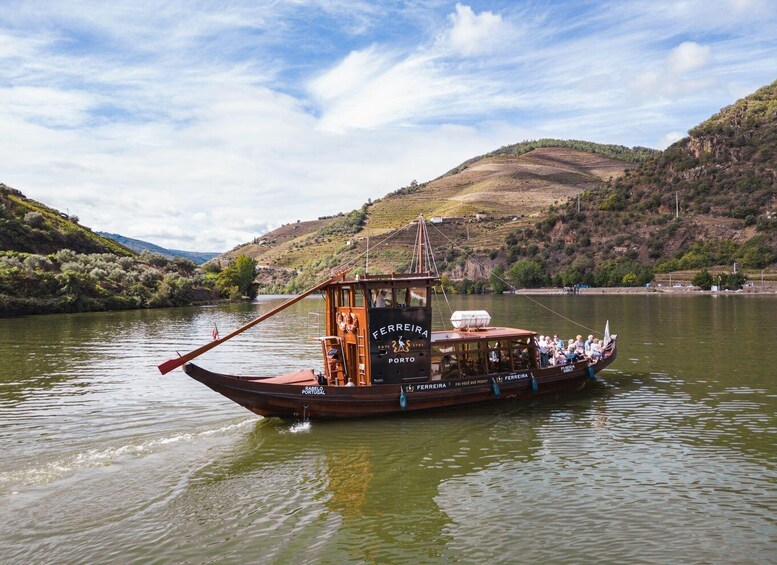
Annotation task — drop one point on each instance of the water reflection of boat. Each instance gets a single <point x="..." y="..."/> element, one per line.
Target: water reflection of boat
<point x="382" y="357"/>
<point x="375" y="492"/>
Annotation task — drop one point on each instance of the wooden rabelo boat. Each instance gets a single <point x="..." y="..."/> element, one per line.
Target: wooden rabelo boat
<point x="381" y="357"/>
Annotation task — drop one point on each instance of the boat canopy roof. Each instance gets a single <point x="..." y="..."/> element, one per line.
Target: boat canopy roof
<point x="389" y="278"/>
<point x="453" y="336"/>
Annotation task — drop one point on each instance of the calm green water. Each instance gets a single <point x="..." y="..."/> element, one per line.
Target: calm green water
<point x="670" y="457"/>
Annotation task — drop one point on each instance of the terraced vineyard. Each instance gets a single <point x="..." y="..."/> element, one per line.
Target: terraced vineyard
<point x="480" y="206"/>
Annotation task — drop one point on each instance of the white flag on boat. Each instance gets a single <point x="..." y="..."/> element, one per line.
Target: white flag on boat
<point x="607" y="337"/>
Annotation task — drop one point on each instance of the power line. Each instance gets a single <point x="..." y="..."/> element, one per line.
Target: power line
<point x="512" y="287"/>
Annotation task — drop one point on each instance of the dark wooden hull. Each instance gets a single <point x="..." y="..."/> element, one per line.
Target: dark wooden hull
<point x="325" y="402"/>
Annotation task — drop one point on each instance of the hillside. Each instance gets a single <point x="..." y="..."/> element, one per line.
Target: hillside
<point x="567" y="212"/>
<point x="708" y="200"/>
<point x="138" y="245"/>
<point x="481" y="204"/>
<point x="723" y="176"/>
<point x="629" y="154"/>
<point x="51" y="264"/>
<point x="28" y="226"/>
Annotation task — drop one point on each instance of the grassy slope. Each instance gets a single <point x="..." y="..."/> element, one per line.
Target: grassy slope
<point x="56" y="231"/>
<point x="509" y="191"/>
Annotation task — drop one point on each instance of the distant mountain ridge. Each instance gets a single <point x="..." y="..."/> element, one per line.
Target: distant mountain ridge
<point x="138" y="245"/>
<point x="630" y="154"/>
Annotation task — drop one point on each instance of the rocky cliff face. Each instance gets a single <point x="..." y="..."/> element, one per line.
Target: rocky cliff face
<point x="722" y="182"/>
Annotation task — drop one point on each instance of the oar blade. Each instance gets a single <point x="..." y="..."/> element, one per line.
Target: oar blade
<point x="171" y="364"/>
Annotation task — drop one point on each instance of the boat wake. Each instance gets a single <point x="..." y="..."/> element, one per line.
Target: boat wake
<point x="105" y="456"/>
<point x="300" y="427"/>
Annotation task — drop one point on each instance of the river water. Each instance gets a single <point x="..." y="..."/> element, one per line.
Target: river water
<point x="669" y="457"/>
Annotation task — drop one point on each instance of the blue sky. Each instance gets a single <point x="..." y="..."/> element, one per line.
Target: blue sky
<point x="200" y="125"/>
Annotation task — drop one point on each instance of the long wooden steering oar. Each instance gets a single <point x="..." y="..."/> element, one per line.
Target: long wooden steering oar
<point x="176" y="362"/>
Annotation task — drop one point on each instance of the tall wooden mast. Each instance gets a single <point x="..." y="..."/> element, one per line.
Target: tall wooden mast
<point x="421" y="242"/>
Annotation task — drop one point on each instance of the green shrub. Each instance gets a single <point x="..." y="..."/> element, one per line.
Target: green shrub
<point x="702" y="279"/>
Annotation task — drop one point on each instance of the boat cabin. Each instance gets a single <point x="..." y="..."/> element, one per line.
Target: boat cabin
<point x="378" y="330"/>
<point x="477" y="352"/>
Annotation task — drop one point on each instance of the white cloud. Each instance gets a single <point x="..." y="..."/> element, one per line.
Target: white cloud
<point x="672" y="79"/>
<point x="688" y="56"/>
<point x="199" y="127"/>
<point x="751" y="8"/>
<point x="50" y="106"/>
<point x="371" y="89"/>
<point x="375" y="87"/>
<point x="666" y="84"/>
<point x="472" y="34"/>
<point x="351" y="74"/>
<point x="669" y="138"/>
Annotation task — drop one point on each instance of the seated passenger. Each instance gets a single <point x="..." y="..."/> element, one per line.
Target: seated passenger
<point x="571" y="353"/>
<point x="596" y="350"/>
<point x="448" y="368"/>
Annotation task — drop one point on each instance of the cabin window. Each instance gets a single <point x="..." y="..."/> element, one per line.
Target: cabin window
<point x="521" y="357"/>
<point x="472" y="359"/>
<point x="382" y="298"/>
<point x="345" y="297"/>
<point x="417" y="297"/>
<point x="499" y="356"/>
<point x="445" y="363"/>
<point x="358" y="298"/>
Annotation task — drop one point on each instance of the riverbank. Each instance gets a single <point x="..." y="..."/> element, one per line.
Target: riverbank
<point x="685" y="290"/>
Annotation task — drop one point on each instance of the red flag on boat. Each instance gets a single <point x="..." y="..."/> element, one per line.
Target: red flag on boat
<point x="215" y="332"/>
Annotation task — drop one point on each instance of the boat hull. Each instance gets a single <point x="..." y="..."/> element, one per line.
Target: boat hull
<point x="313" y="401"/>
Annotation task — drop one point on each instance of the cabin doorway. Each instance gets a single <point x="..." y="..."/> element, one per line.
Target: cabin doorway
<point x="353" y="361"/>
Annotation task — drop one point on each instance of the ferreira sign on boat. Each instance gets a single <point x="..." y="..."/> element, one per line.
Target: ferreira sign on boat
<point x="407" y="328"/>
<point x="400" y="344"/>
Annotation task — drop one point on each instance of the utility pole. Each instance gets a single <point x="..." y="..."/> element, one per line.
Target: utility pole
<point x="367" y="267"/>
<point x="676" y="205"/>
<point x="578" y="203"/>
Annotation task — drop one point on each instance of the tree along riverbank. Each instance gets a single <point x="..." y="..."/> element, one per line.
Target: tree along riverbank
<point x="67" y="281"/>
